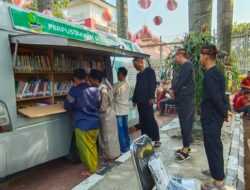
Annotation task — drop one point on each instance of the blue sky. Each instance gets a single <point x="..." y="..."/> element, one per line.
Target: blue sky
<point x="175" y="23"/>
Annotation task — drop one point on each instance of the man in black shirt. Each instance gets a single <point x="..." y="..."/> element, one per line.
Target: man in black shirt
<point x="213" y="113"/>
<point x="183" y="92"/>
<point x="144" y="96"/>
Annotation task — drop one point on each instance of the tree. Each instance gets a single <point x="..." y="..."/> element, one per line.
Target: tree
<point x="44" y="4"/>
<point x="242" y="28"/>
<point x="225" y="24"/>
<point x="58" y="6"/>
<point x="200" y="15"/>
<point x="122" y="18"/>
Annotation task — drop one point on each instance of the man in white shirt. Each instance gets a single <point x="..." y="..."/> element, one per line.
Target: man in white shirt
<point x="121" y="106"/>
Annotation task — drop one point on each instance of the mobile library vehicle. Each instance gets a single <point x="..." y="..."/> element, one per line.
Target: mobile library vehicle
<point x="38" y="55"/>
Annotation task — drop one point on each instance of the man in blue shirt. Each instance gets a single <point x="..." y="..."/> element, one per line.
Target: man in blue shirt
<point x="83" y="101"/>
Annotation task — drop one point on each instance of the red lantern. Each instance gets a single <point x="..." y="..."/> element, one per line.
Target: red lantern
<point x="106" y="15"/>
<point x="157" y="20"/>
<point x="90" y="23"/>
<point x="17" y="2"/>
<point x="144" y="4"/>
<point x="23" y="3"/>
<point x="172" y="5"/>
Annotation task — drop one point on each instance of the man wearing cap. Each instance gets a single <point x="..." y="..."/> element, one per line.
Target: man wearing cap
<point x="144" y="96"/>
<point x="183" y="92"/>
<point x="214" y="111"/>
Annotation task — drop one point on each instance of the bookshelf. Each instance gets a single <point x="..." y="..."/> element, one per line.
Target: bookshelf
<point x="43" y="77"/>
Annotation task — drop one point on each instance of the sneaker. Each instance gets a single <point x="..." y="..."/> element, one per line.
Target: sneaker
<point x="179" y="151"/>
<point x="182" y="156"/>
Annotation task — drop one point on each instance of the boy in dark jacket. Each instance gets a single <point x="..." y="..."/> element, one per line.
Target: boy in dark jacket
<point x="83" y="102"/>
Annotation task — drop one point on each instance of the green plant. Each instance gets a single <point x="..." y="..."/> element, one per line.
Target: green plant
<point x="58" y="6"/>
<point x="193" y="43"/>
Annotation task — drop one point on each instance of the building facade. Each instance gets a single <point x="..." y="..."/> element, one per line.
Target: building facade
<point x="91" y="13"/>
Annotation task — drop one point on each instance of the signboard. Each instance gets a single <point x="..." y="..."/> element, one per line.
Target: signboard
<point x="34" y="22"/>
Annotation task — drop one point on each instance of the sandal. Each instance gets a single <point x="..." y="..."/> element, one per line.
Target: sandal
<point x="179" y="151"/>
<point x="182" y="156"/>
<point x="213" y="186"/>
<point x="157" y="144"/>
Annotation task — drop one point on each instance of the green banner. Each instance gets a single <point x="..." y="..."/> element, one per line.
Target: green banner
<point x="34" y="22"/>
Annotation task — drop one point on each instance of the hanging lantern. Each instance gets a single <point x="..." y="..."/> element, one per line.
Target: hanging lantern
<point x="144" y="4"/>
<point x="90" y="23"/>
<point x="17" y="2"/>
<point x="157" y="20"/>
<point x="23" y="3"/>
<point x="106" y="15"/>
<point x="172" y="5"/>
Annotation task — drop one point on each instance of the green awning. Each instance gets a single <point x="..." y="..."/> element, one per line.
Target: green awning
<point x="63" y="33"/>
<point x="43" y="40"/>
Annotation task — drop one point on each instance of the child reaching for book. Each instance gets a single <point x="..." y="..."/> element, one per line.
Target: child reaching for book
<point x="83" y="102"/>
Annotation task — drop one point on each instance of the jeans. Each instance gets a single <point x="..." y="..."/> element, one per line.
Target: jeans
<point x="122" y="124"/>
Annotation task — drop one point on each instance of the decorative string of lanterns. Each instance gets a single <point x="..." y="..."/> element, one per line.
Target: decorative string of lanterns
<point x="145" y="4"/>
<point x="158" y="20"/>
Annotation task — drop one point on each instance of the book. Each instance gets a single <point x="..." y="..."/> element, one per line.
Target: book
<point x="67" y="63"/>
<point x="62" y="87"/>
<point x="32" y="63"/>
<point x="33" y="88"/>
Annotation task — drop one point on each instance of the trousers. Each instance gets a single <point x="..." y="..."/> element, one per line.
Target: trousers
<point x="185" y="110"/>
<point x="148" y="122"/>
<point x="214" y="147"/>
<point x="122" y="124"/>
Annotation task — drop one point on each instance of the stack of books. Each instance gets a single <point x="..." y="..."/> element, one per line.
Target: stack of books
<point x="62" y="87"/>
<point x="33" y="88"/>
<point x="65" y="63"/>
<point x="32" y="63"/>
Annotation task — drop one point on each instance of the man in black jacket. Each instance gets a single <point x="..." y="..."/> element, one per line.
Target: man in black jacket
<point x="144" y="96"/>
<point x="183" y="92"/>
<point x="214" y="111"/>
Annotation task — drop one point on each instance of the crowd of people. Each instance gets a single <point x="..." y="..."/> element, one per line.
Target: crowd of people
<point x="214" y="110"/>
<point x="100" y="111"/>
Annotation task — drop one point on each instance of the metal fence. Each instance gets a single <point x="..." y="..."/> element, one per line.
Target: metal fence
<point x="241" y="51"/>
